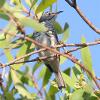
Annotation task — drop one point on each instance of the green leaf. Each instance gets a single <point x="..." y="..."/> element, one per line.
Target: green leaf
<point x="16" y="44"/>
<point x="88" y="88"/>
<point x="19" y="86"/>
<point x="57" y="27"/>
<point x="2" y="2"/>
<point x="44" y="4"/>
<point x="68" y="80"/>
<point x="3" y="42"/>
<point x="8" y="95"/>
<point x="77" y="95"/>
<point x="65" y="33"/>
<point x="62" y="59"/>
<point x="3" y="16"/>
<point x="6" y="38"/>
<point x="97" y="93"/>
<point x="52" y="90"/>
<point x="22" y="50"/>
<point x="86" y="56"/>
<point x="2" y="36"/>
<point x="12" y="9"/>
<point x="16" y="2"/>
<point x="75" y="73"/>
<point x="36" y="66"/>
<point x="31" y="2"/>
<point x="11" y="58"/>
<point x="33" y="24"/>
<point x="67" y="71"/>
<point x="46" y="77"/>
<point x="9" y="82"/>
<point x="90" y="96"/>
<point x="42" y="73"/>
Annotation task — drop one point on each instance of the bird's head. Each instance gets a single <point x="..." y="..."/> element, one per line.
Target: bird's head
<point x="49" y="16"/>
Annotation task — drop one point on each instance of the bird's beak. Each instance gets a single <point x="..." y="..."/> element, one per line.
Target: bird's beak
<point x="56" y="13"/>
<point x="59" y="12"/>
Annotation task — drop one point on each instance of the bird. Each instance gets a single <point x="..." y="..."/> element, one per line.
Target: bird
<point x="50" y="39"/>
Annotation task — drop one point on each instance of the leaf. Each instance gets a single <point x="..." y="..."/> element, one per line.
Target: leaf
<point x="46" y="77"/>
<point x="10" y="58"/>
<point x="22" y="50"/>
<point x="44" y="4"/>
<point x="65" y="33"/>
<point x="8" y="95"/>
<point x="2" y="2"/>
<point x="36" y="66"/>
<point x="77" y="95"/>
<point x="86" y="56"/>
<point x="90" y="96"/>
<point x="9" y="82"/>
<point x="67" y="71"/>
<point x="97" y="93"/>
<point x="3" y="43"/>
<point x="75" y="73"/>
<point x="62" y="59"/>
<point x="57" y="27"/>
<point x="39" y="27"/>
<point x="68" y="80"/>
<point x="3" y="16"/>
<point x="12" y="9"/>
<point x="31" y="2"/>
<point x="16" y="2"/>
<point x="42" y="73"/>
<point x="52" y="90"/>
<point x="6" y="38"/>
<point x="19" y="86"/>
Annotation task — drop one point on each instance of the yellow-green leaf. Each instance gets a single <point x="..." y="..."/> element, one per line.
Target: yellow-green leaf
<point x="77" y="95"/>
<point x="11" y="58"/>
<point x="19" y="86"/>
<point x="68" y="80"/>
<point x="57" y="27"/>
<point x="65" y="33"/>
<point x="33" y="24"/>
<point x="86" y="56"/>
<point x="46" y="77"/>
<point x="2" y="2"/>
<point x="44" y="4"/>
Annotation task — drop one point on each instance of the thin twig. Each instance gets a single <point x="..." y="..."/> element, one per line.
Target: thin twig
<point x="22" y="57"/>
<point x="73" y="59"/>
<point x="97" y="41"/>
<point x="36" y="85"/>
<point x="98" y="78"/>
<point x="72" y="4"/>
<point x="32" y="60"/>
<point x="68" y="55"/>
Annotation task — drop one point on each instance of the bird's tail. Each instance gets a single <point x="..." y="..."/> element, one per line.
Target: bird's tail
<point x="60" y="80"/>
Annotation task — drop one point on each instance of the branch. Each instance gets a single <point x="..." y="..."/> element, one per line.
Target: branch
<point x="36" y="85"/>
<point x="74" y="5"/>
<point x="68" y="55"/>
<point x="22" y="57"/>
<point x="97" y="41"/>
<point x="16" y="61"/>
<point x="32" y="60"/>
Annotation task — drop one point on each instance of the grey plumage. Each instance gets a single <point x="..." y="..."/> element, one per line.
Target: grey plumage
<point x="49" y="39"/>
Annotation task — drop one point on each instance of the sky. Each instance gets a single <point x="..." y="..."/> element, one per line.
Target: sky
<point x="79" y="28"/>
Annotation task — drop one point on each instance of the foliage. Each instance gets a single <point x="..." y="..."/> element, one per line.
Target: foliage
<point x="33" y="81"/>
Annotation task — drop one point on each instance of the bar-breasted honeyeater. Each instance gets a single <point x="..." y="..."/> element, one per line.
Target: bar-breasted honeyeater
<point x="49" y="39"/>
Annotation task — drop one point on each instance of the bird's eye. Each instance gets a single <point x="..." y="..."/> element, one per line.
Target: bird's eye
<point x="49" y="14"/>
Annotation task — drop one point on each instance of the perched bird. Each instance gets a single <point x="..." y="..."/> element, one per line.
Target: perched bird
<point x="49" y="39"/>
